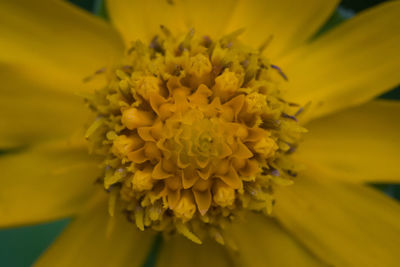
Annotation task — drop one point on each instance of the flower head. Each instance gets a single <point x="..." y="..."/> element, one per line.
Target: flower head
<point x="199" y="129"/>
<point x="195" y="127"/>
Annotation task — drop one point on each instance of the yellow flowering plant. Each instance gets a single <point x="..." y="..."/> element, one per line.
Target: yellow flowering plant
<point x="217" y="124"/>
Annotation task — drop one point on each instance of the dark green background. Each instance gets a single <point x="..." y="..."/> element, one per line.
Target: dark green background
<point x="20" y="247"/>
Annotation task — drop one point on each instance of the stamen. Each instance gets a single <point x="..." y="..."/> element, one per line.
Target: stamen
<point x="289" y="116"/>
<point x="280" y="72"/>
<point x="97" y="72"/>
<point x="265" y="44"/>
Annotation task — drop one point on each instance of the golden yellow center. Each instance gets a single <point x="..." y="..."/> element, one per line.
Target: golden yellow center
<point x="193" y="131"/>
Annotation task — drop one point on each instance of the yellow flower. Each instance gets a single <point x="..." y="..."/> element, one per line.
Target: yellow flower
<point x="196" y="127"/>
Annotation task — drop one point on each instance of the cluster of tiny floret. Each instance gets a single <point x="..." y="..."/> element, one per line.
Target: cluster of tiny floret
<point x="192" y="132"/>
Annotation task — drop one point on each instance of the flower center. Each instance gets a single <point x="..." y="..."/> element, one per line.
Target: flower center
<point x="192" y="132"/>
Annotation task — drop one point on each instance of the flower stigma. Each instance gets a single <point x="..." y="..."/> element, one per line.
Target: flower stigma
<point x="192" y="132"/>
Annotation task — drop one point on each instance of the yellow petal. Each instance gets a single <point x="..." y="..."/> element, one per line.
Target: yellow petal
<point x="208" y="16"/>
<point x="142" y="19"/>
<point x="96" y="239"/>
<point x="357" y="145"/>
<point x="262" y="241"/>
<point x="343" y="224"/>
<point x="181" y="252"/>
<point x="349" y="65"/>
<point x="31" y="111"/>
<point x="288" y="23"/>
<point x="55" y="42"/>
<point x="45" y="182"/>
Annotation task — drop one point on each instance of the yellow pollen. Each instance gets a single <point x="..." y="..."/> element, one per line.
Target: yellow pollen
<point x="199" y="65"/>
<point x="266" y="147"/>
<point x="226" y="84"/>
<point x="122" y="145"/>
<point x="224" y="195"/>
<point x="145" y="86"/>
<point x="256" y="102"/>
<point x="142" y="180"/>
<point x="193" y="131"/>
<point x="185" y="208"/>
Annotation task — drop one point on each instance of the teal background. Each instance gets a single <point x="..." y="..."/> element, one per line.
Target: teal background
<point x="20" y="247"/>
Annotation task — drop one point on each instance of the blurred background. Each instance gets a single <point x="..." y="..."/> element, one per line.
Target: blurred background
<point x="20" y="247"/>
